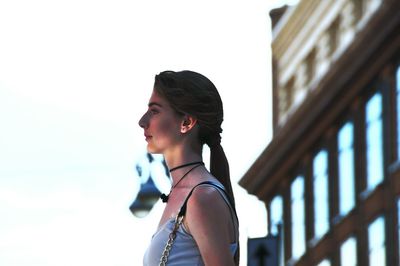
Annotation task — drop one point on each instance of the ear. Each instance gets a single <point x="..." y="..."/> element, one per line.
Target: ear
<point x="188" y="123"/>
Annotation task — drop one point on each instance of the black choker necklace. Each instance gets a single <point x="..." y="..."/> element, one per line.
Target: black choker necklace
<point x="184" y="165"/>
<point x="164" y="197"/>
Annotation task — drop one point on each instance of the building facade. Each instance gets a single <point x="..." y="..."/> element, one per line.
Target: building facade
<point x="330" y="177"/>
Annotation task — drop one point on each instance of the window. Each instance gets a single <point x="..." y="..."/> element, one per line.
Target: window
<point x="276" y="214"/>
<point x="324" y="263"/>
<point x="321" y="197"/>
<point x="298" y="217"/>
<point x="398" y="110"/>
<point x="276" y="218"/>
<point x="348" y="252"/>
<point x="346" y="168"/>
<point x="398" y="221"/>
<point x="374" y="141"/>
<point x="376" y="241"/>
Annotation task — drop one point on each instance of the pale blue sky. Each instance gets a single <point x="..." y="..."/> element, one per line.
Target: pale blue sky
<point x="75" y="76"/>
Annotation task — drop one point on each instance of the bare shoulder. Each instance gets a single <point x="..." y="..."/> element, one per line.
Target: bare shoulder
<point x="206" y="198"/>
<point x="208" y="221"/>
<point x="207" y="210"/>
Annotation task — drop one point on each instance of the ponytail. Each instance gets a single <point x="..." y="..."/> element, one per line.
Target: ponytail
<point x="219" y="167"/>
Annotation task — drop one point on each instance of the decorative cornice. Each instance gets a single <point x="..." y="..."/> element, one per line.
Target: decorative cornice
<point x="315" y="34"/>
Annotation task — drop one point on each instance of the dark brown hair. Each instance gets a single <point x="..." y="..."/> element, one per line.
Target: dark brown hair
<point x="191" y="93"/>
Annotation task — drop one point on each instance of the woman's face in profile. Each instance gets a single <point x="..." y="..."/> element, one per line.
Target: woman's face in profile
<point x="161" y="125"/>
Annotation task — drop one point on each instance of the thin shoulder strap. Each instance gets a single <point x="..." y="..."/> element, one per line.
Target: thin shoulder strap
<point x="182" y="211"/>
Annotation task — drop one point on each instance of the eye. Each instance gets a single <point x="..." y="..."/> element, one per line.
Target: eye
<point x="154" y="111"/>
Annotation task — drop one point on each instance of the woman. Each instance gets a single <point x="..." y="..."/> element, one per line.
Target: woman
<point x="184" y="113"/>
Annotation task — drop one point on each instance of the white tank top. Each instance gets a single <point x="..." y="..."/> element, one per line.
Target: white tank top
<point x="184" y="250"/>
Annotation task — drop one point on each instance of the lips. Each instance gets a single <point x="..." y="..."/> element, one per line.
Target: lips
<point x="147" y="136"/>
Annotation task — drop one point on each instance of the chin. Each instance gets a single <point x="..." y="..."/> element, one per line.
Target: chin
<point x="153" y="150"/>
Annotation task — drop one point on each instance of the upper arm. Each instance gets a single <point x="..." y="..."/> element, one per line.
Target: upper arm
<point x="209" y="221"/>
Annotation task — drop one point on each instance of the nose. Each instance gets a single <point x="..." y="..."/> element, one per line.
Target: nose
<point x="143" y="121"/>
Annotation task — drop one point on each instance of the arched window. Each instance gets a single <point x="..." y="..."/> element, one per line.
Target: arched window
<point x="325" y="262"/>
<point x="321" y="195"/>
<point x="276" y="219"/>
<point x="376" y="242"/>
<point x="346" y="168"/>
<point x="348" y="252"/>
<point x="398" y="110"/>
<point x="298" y="217"/>
<point x="374" y="127"/>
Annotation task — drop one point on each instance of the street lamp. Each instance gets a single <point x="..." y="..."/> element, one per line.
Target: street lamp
<point x="148" y="194"/>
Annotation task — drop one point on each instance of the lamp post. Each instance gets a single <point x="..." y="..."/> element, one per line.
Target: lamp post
<point x="148" y="194"/>
<point x="146" y="198"/>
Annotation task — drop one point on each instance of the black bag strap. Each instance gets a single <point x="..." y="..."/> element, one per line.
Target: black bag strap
<point x="182" y="211"/>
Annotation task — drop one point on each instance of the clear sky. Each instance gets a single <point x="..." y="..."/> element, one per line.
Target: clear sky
<point x="75" y="77"/>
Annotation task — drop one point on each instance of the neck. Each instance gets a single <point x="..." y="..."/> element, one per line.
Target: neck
<point x="185" y="165"/>
<point x="181" y="157"/>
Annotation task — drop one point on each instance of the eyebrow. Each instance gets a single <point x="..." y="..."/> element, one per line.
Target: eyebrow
<point x="154" y="104"/>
